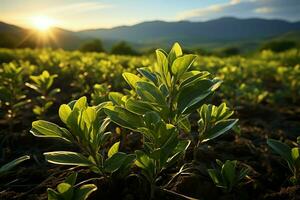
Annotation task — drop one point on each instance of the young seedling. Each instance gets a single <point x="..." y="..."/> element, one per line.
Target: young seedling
<point x="159" y="106"/>
<point x="214" y="122"/>
<point x="86" y="129"/>
<point x="169" y="88"/>
<point x="12" y="94"/>
<point x="67" y="190"/>
<point x="226" y="175"/>
<point x="290" y="155"/>
<point x="42" y="85"/>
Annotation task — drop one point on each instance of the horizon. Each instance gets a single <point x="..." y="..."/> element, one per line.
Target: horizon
<point x="190" y="21"/>
<point x="81" y="15"/>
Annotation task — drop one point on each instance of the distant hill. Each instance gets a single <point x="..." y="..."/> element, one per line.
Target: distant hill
<point x="12" y="36"/>
<point x="292" y="36"/>
<point x="217" y="31"/>
<point x="213" y="34"/>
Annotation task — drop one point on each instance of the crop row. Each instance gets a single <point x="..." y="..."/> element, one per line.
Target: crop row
<point x="157" y="100"/>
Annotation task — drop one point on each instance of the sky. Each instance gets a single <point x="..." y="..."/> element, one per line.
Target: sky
<point x="90" y="14"/>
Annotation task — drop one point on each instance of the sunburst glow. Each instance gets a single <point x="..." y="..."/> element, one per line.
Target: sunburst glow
<point x="42" y="23"/>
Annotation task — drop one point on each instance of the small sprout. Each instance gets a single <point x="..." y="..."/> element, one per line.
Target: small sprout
<point x="291" y="156"/>
<point x="42" y="85"/>
<point x="227" y="175"/>
<point x="214" y="121"/>
<point x="67" y="190"/>
<point x="86" y="129"/>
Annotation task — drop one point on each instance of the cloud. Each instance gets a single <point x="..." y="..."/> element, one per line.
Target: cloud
<point x="232" y="2"/>
<point x="78" y="7"/>
<point x="263" y="10"/>
<point x="280" y="9"/>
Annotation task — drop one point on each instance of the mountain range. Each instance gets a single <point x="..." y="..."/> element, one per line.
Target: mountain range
<point x="227" y="31"/>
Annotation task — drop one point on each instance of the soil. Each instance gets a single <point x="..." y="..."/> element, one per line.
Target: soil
<point x="269" y="174"/>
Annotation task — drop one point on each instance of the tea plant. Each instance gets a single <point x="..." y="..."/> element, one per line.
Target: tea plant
<point x="226" y="175"/>
<point x="159" y="106"/>
<point x="169" y="88"/>
<point x="86" y="129"/>
<point x="12" y="95"/>
<point x="214" y="121"/>
<point x="162" y="147"/>
<point x="42" y="85"/>
<point x="290" y="155"/>
<point x="67" y="190"/>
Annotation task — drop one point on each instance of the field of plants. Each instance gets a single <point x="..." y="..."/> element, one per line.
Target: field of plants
<point x="168" y="125"/>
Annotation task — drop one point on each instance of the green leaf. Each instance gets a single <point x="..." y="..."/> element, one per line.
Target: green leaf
<point x="131" y="79"/>
<point x="113" y="163"/>
<point x="138" y="107"/>
<point x="34" y="87"/>
<point x="296" y="156"/>
<point x="192" y="73"/>
<point x="89" y="116"/>
<point x="148" y="92"/>
<point x="43" y="128"/>
<point x="214" y="176"/>
<point x="143" y="161"/>
<point x="182" y="64"/>
<point x="193" y="94"/>
<point x="163" y="69"/>
<point x="116" y="98"/>
<point x="174" y="53"/>
<point x="54" y="91"/>
<point x="228" y="172"/>
<point x="123" y="117"/>
<point x="81" y="103"/>
<point x="65" y="190"/>
<point x="126" y="165"/>
<point x="71" y="179"/>
<point x="219" y="129"/>
<point x="52" y="194"/>
<point x="5" y="168"/>
<point x="144" y="71"/>
<point x="67" y="158"/>
<point x="192" y="77"/>
<point x="168" y="147"/>
<point x="185" y="124"/>
<point x="113" y="149"/>
<point x="178" y="151"/>
<point x="84" y="191"/>
<point x="64" y="112"/>
<point x="282" y="149"/>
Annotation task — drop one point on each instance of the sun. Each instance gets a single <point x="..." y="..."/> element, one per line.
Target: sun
<point x="42" y="23"/>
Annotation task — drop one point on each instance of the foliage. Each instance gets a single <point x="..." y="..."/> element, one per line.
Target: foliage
<point x="265" y="77"/>
<point x="160" y="102"/>
<point x="123" y="48"/>
<point x="227" y="175"/>
<point x="92" y="46"/>
<point x="67" y="190"/>
<point x="290" y="155"/>
<point x="214" y="121"/>
<point x="86" y="126"/>
<point x="100" y="93"/>
<point x="279" y="46"/>
<point x="42" y="85"/>
<point x="230" y="51"/>
<point x="12" y="96"/>
<point x="159" y="106"/>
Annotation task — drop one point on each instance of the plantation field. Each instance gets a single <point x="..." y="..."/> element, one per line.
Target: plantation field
<point x="140" y="127"/>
